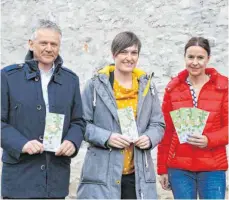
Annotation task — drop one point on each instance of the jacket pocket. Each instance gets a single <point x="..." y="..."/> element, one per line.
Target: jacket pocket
<point x="148" y="167"/>
<point x="6" y="158"/>
<point x="64" y="161"/>
<point x="95" y="168"/>
<point x="15" y="115"/>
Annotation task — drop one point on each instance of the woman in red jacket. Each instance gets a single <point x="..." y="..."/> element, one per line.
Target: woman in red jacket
<point x="197" y="166"/>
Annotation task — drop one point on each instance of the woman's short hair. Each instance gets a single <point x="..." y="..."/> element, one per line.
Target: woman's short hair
<point x="124" y="40"/>
<point x="198" y="41"/>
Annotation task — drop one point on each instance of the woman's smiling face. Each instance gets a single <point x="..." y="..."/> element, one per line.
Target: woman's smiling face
<point x="196" y="59"/>
<point x="126" y="60"/>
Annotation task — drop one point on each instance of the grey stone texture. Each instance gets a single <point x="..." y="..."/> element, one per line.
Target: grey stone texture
<point x="89" y="26"/>
<point x="164" y="27"/>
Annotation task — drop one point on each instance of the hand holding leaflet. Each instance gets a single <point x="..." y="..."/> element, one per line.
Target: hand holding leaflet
<point x="189" y="121"/>
<point x="127" y="123"/>
<point x="53" y="131"/>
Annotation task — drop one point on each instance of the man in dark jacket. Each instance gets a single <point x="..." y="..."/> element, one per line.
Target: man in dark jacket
<point x="30" y="91"/>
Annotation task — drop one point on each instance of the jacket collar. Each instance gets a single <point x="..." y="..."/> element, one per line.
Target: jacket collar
<point x="104" y="73"/>
<point x="33" y="70"/>
<point x="110" y="68"/>
<point x="210" y="71"/>
<point x="106" y="93"/>
<point x="216" y="78"/>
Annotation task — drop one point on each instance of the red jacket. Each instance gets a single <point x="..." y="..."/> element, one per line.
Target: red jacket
<point x="213" y="98"/>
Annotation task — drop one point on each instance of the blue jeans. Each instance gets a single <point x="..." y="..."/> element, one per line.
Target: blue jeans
<point x="186" y="184"/>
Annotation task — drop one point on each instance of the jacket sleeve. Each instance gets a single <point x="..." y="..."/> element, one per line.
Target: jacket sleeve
<point x="164" y="145"/>
<point x="93" y="134"/>
<point x="77" y="125"/>
<point x="12" y="141"/>
<point x="220" y="137"/>
<point x="155" y="129"/>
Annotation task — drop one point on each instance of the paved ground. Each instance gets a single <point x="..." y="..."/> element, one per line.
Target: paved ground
<point x="76" y="166"/>
<point x="75" y="174"/>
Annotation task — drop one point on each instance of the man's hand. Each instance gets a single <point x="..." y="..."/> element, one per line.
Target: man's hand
<point x="67" y="148"/>
<point x="143" y="142"/>
<point x="164" y="181"/>
<point x="119" y="141"/>
<point x="200" y="141"/>
<point x="33" y="147"/>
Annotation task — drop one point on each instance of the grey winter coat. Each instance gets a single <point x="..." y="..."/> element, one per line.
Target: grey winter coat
<point x="102" y="170"/>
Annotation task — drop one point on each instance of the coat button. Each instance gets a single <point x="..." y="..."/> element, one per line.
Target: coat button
<point x="41" y="137"/>
<point x="37" y="78"/>
<point x="42" y="167"/>
<point x="38" y="107"/>
<point x="118" y="182"/>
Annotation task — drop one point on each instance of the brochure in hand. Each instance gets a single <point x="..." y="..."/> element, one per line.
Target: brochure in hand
<point x="127" y="122"/>
<point x="53" y="131"/>
<point x="188" y="121"/>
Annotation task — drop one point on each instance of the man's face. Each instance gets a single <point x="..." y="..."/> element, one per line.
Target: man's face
<point x="127" y="59"/>
<point x="45" y="46"/>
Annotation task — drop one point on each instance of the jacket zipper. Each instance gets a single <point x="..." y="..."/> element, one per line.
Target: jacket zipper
<point x="201" y="90"/>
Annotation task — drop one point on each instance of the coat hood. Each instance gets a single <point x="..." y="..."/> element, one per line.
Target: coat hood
<point x="110" y="68"/>
<point x="139" y="73"/>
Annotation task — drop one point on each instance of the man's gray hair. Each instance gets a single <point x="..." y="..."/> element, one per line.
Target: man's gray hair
<point x="45" y="24"/>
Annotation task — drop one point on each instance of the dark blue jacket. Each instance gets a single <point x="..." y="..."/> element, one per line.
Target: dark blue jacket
<point x="23" y="118"/>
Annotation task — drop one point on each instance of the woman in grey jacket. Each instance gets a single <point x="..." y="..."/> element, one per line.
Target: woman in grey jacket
<point x="117" y="166"/>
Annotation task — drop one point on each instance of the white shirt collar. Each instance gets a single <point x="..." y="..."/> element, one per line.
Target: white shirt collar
<point x="50" y="72"/>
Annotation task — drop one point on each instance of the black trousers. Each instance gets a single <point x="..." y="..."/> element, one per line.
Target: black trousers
<point x="128" y="190"/>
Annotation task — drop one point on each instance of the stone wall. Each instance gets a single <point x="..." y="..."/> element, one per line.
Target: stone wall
<point x="164" y="26"/>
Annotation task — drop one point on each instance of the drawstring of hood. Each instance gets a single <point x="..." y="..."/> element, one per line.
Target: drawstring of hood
<point x="146" y="160"/>
<point x="94" y="97"/>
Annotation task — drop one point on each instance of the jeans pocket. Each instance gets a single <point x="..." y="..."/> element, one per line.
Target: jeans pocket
<point x="95" y="168"/>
